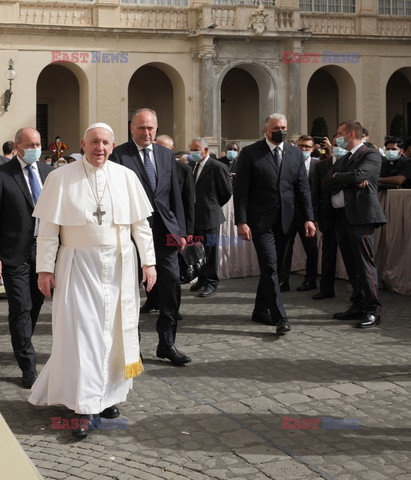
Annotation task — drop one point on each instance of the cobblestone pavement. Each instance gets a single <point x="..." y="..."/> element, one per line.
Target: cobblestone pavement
<point x="222" y="416"/>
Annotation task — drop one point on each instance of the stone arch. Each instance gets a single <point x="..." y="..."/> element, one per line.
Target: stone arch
<point x="331" y="93"/>
<point x="264" y="94"/>
<point x="398" y="97"/>
<point x="167" y="98"/>
<point x="65" y="115"/>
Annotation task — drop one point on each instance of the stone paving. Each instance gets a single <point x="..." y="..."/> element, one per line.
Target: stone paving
<point x="222" y="416"/>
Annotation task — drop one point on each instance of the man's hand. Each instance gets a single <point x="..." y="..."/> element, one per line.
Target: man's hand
<point x="149" y="276"/>
<point x="309" y="229"/>
<point x="244" y="231"/>
<point x="46" y="282"/>
<point x="363" y="184"/>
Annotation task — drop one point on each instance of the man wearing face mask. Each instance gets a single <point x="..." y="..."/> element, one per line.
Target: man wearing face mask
<point x="21" y="180"/>
<point x="325" y="219"/>
<point x="230" y="157"/>
<point x="270" y="177"/>
<point x="352" y="186"/>
<point x="396" y="168"/>
<point x="212" y="191"/>
<point x="306" y="145"/>
<point x="57" y="148"/>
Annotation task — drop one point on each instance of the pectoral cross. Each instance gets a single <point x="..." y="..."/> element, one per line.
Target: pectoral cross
<point x="99" y="214"/>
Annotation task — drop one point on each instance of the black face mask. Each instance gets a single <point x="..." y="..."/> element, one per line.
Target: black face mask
<point x="279" y="136"/>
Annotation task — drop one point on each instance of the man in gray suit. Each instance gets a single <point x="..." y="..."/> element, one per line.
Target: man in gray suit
<point x="212" y="191"/>
<point x="352" y="186"/>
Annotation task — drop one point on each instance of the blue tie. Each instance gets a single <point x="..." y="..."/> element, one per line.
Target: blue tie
<point x="34" y="184"/>
<point x="151" y="173"/>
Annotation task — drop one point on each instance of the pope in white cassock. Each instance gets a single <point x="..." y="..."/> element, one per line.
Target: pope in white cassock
<point x="91" y="209"/>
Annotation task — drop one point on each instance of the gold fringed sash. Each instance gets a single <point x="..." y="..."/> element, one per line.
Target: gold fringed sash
<point x="133" y="369"/>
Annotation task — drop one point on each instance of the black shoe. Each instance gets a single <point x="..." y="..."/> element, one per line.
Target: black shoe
<point x="283" y="327"/>
<point x="307" y="285"/>
<point x="28" y="379"/>
<point x="110" y="412"/>
<point x="263" y="317"/>
<point x="284" y="287"/>
<point x="207" y="291"/>
<point x="148" y="307"/>
<point x="84" y="425"/>
<point x="370" y="321"/>
<point x="175" y="357"/>
<point x="196" y="286"/>
<point x="352" y="313"/>
<point x="321" y="295"/>
<point x="179" y="316"/>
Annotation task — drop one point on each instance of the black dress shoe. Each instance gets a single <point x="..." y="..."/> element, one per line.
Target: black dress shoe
<point x="84" y="425"/>
<point x="283" y="327"/>
<point x="207" y="291"/>
<point x="371" y="321"/>
<point x="284" y="287"/>
<point x="321" y="295"/>
<point x="110" y="412"/>
<point x="28" y="379"/>
<point x="263" y="317"/>
<point x="196" y="286"/>
<point x="307" y="285"/>
<point x="148" y="307"/>
<point x="352" y="313"/>
<point x="175" y="357"/>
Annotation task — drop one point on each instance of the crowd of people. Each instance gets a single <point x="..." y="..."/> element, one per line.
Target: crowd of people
<point x="89" y="233"/>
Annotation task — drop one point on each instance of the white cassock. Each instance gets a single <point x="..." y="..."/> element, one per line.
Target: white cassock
<point x="95" y="350"/>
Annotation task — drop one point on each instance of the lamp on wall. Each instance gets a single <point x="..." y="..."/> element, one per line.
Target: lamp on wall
<point x="10" y="76"/>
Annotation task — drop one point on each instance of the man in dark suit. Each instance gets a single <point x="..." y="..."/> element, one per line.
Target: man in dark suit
<point x="271" y="176"/>
<point x="156" y="168"/>
<point x="186" y="184"/>
<point x="21" y="180"/>
<point x="325" y="220"/>
<point x="306" y="145"/>
<point x="352" y="186"/>
<point x="212" y="191"/>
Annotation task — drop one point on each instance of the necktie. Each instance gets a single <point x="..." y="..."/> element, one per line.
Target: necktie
<point x="34" y="184"/>
<point x="196" y="169"/>
<point x="277" y="157"/>
<point x="151" y="173"/>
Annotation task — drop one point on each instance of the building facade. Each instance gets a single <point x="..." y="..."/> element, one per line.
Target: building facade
<point x="210" y="69"/>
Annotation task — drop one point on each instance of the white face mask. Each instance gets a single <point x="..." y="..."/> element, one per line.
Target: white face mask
<point x="31" y="155"/>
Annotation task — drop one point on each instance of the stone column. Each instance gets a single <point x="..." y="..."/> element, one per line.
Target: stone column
<point x="207" y="91"/>
<point x="294" y="115"/>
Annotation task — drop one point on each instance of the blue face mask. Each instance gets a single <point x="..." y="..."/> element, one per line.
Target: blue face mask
<point x="392" y="154"/>
<point x="341" y="142"/>
<point x="339" y="152"/>
<point x="231" y="154"/>
<point x="31" y="155"/>
<point x="306" y="154"/>
<point x="196" y="156"/>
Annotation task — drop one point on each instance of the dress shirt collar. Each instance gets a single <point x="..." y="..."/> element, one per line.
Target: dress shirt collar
<point x="353" y="150"/>
<point x="24" y="164"/>
<point x="149" y="147"/>
<point x="272" y="146"/>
